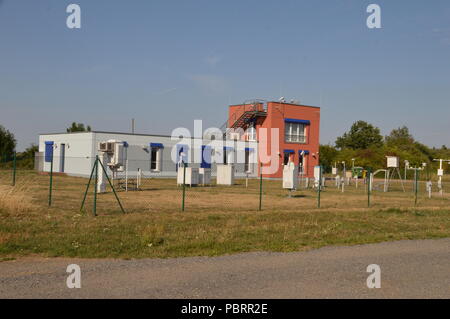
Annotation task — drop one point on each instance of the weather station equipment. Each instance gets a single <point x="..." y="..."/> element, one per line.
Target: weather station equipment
<point x="290" y="177"/>
<point x="440" y="174"/>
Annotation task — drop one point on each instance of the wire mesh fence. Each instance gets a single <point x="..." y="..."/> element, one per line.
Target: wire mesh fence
<point x="140" y="187"/>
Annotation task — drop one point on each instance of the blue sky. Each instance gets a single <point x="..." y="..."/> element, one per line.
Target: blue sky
<point x="167" y="63"/>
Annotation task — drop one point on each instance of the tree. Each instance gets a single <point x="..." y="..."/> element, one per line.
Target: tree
<point x="78" y="127"/>
<point x="362" y="135"/>
<point x="7" y="144"/>
<point x="25" y="159"/>
<point x="327" y="155"/>
<point x="400" y="137"/>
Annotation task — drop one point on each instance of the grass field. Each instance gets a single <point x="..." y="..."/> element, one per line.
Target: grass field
<point x="217" y="220"/>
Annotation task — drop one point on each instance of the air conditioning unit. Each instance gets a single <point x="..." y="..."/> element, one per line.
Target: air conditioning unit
<point x="106" y="147"/>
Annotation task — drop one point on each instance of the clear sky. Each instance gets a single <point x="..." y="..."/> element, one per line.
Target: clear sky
<point x="167" y="63"/>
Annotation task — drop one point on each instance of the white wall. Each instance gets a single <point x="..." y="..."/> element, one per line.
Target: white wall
<point x="78" y="152"/>
<point x="81" y="149"/>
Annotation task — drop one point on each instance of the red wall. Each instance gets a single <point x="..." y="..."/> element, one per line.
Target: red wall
<point x="277" y="112"/>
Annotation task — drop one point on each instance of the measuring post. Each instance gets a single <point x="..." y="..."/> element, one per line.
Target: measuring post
<point x="14" y="170"/>
<point x="184" y="187"/>
<point x="95" y="185"/>
<point x="260" y="189"/>
<point x="51" y="183"/>
<point x="319" y="188"/>
<point x="369" y="173"/>
<point x="416" y="186"/>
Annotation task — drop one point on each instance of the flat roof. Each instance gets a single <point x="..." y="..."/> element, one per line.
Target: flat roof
<point x="133" y="134"/>
<point x="278" y="102"/>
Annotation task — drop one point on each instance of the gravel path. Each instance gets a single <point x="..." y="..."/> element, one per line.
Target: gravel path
<point x="409" y="269"/>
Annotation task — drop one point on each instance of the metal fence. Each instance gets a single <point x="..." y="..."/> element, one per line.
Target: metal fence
<point x="71" y="184"/>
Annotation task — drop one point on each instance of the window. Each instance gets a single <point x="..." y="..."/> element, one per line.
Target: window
<point x="251" y="133"/>
<point x="286" y="158"/>
<point x="295" y="132"/>
<point x="156" y="150"/>
<point x="154" y="156"/>
<point x="301" y="163"/>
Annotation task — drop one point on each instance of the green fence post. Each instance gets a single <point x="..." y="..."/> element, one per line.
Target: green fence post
<point x="416" y="187"/>
<point x="319" y="188"/>
<point x="260" y="187"/>
<point x="369" y="180"/>
<point x="95" y="185"/>
<point x="14" y="170"/>
<point x="184" y="187"/>
<point x="51" y="184"/>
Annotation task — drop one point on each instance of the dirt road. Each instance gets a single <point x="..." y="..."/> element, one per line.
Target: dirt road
<point x="409" y="269"/>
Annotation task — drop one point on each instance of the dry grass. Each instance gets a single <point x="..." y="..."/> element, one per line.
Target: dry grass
<point x="15" y="200"/>
<point x="217" y="220"/>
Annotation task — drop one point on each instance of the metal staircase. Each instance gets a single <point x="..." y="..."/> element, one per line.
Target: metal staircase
<point x="251" y="111"/>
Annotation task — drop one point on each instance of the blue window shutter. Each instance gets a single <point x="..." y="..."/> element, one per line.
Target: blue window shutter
<point x="305" y="152"/>
<point x="206" y="157"/>
<point x="49" y="151"/>
<point x="157" y="145"/>
<point x="305" y="122"/>
<point x="289" y="151"/>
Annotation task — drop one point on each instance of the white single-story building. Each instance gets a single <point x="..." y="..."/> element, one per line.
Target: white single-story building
<point x="154" y="155"/>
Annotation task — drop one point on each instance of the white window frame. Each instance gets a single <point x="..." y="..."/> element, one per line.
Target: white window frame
<point x="295" y="133"/>
<point x="158" y="159"/>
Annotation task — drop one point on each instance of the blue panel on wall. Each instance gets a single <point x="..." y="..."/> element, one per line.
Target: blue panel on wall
<point x="206" y="157"/>
<point x="157" y="145"/>
<point x="305" y="152"/>
<point x="289" y="151"/>
<point x="49" y="151"/>
<point x="306" y="122"/>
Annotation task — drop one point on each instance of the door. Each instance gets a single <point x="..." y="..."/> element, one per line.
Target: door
<point x="62" y="158"/>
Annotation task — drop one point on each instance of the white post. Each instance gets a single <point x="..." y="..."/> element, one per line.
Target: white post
<point x="126" y="175"/>
<point x="101" y="182"/>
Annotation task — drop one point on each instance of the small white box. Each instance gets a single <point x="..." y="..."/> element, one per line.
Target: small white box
<point x="225" y="174"/>
<point x="290" y="176"/>
<point x="204" y="176"/>
<point x="440" y="172"/>
<point x="191" y="176"/>
<point x="392" y="161"/>
<point x="334" y="171"/>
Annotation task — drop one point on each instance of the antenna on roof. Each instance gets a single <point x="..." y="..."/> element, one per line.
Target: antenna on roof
<point x="282" y="99"/>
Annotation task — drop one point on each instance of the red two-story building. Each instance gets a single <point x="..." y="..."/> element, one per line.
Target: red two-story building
<point x="298" y="127"/>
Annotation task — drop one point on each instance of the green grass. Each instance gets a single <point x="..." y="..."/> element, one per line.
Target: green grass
<point x="217" y="221"/>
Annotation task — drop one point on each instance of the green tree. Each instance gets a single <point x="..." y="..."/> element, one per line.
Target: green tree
<point x="327" y="155"/>
<point x="400" y="137"/>
<point x="78" y="127"/>
<point x="362" y="135"/>
<point x="25" y="159"/>
<point x="7" y="144"/>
